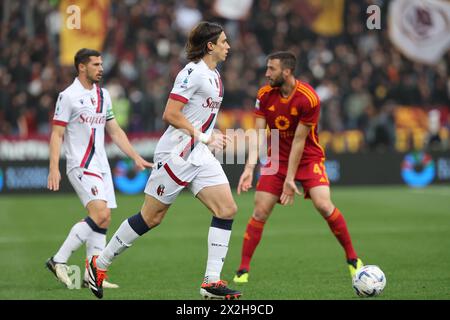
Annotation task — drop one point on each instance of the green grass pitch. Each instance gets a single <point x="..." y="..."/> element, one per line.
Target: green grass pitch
<point x="404" y="231"/>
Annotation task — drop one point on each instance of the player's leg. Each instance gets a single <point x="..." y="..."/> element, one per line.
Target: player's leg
<point x="219" y="200"/>
<point x="268" y="192"/>
<point x="100" y="213"/>
<point x="91" y="191"/>
<point x="150" y="216"/>
<point x="320" y="195"/>
<point x="161" y="190"/>
<point x="212" y="188"/>
<point x="264" y="204"/>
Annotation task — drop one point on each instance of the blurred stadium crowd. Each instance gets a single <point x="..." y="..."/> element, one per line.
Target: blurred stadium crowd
<point x="359" y="75"/>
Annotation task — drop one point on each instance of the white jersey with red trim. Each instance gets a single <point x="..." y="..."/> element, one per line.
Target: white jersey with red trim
<point x="84" y="114"/>
<point x="201" y="89"/>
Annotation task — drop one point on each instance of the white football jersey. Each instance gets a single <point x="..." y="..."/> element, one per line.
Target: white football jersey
<point x="84" y="114"/>
<point x="201" y="89"/>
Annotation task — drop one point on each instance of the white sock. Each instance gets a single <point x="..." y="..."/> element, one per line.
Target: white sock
<point x="95" y="244"/>
<point x="218" y="240"/>
<point x="77" y="236"/>
<point x="121" y="240"/>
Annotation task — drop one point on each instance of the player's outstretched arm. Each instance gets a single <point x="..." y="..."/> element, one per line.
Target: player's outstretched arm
<point x="119" y="137"/>
<point x="56" y="139"/>
<point x="295" y="155"/>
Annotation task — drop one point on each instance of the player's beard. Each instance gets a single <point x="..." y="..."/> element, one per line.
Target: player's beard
<point x="276" y="83"/>
<point x="94" y="79"/>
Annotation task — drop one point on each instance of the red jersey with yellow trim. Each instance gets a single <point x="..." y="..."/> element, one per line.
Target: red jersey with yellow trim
<point x="284" y="114"/>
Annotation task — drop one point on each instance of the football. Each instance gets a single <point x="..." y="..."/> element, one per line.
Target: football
<point x="369" y="281"/>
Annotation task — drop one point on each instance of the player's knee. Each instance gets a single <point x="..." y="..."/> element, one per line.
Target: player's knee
<point x="153" y="219"/>
<point x="227" y="211"/>
<point x="261" y="213"/>
<point x="325" y="207"/>
<point x="104" y="218"/>
<point x="153" y="222"/>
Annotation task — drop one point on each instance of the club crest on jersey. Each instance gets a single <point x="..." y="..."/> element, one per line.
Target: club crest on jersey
<point x="94" y="190"/>
<point x="160" y="190"/>
<point x="93" y="101"/>
<point x="81" y="101"/>
<point x="282" y="123"/>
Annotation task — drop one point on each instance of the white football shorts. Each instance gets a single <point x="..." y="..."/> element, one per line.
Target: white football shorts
<point x="172" y="174"/>
<point x="91" y="185"/>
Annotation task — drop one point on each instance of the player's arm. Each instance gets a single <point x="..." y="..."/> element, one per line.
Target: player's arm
<point x="56" y="139"/>
<point x="174" y="116"/>
<point x="295" y="155"/>
<point x="246" y="179"/>
<point x="119" y="137"/>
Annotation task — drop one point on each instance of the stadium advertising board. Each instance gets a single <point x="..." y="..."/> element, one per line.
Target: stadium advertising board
<point x="413" y="169"/>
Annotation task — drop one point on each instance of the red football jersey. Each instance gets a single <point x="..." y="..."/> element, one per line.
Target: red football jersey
<point x="284" y="114"/>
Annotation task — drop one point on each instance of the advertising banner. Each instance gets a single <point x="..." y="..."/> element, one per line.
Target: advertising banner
<point x="415" y="169"/>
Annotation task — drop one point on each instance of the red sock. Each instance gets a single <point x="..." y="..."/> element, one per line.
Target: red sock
<point x="252" y="237"/>
<point x="338" y="226"/>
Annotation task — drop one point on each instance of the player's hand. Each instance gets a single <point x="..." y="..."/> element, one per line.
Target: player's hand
<point x="245" y="181"/>
<point x="289" y="191"/>
<point x="141" y="164"/>
<point x="54" y="177"/>
<point x="219" y="141"/>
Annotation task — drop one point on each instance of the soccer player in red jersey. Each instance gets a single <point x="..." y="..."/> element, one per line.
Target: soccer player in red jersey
<point x="292" y="107"/>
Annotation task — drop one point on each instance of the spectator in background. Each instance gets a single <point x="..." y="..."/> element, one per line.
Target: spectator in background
<point x="355" y="104"/>
<point x="144" y="52"/>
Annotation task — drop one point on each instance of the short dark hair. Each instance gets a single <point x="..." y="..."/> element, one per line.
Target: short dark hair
<point x="287" y="59"/>
<point x="197" y="45"/>
<point x="83" y="56"/>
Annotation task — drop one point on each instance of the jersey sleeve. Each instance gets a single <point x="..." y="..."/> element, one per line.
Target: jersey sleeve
<point x="258" y="111"/>
<point x="260" y="103"/>
<point x="186" y="84"/>
<point x="109" y="108"/>
<point x="63" y="110"/>
<point x="310" y="109"/>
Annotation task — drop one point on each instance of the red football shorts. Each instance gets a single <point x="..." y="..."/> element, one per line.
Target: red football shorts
<point x="310" y="175"/>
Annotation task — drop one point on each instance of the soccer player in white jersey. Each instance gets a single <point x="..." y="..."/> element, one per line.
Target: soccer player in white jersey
<point x="182" y="158"/>
<point x="83" y="112"/>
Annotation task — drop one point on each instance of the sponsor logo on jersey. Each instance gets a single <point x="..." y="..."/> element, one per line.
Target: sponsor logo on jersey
<point x="211" y="104"/>
<point x="91" y="119"/>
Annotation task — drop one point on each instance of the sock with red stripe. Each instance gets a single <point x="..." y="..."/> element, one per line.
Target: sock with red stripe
<point x="252" y="236"/>
<point x="338" y="226"/>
